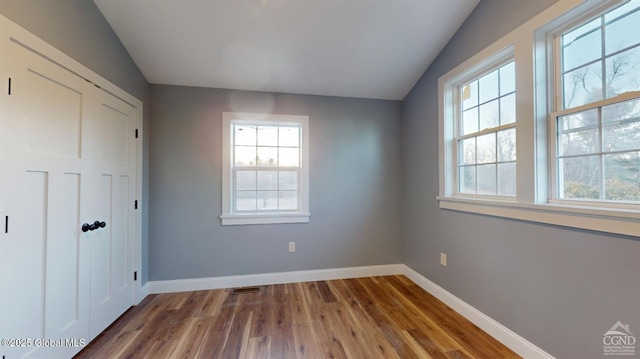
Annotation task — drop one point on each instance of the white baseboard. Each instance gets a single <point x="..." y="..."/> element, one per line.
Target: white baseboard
<point x="185" y="285"/>
<point x="513" y="341"/>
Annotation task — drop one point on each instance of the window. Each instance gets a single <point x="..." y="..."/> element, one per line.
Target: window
<point x="478" y="131"/>
<point x="486" y="138"/>
<point x="266" y="169"/>
<point x="575" y="125"/>
<point x="596" y="147"/>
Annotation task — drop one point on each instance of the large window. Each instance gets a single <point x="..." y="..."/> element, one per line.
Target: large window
<point x="597" y="118"/>
<point x="266" y="168"/>
<point x="574" y="123"/>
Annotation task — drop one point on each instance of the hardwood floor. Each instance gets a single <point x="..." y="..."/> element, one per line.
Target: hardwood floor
<point x="377" y="317"/>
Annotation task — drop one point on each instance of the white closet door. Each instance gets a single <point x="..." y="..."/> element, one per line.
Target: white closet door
<point x="69" y="159"/>
<point x="46" y="266"/>
<point x="112" y="250"/>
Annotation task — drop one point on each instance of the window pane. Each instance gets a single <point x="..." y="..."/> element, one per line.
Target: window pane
<point x="507" y="145"/>
<point x="583" y="85"/>
<point x="623" y="72"/>
<point x="245" y="156"/>
<point x="267" y="180"/>
<point x="267" y="200"/>
<point x="580" y="177"/>
<point x="622" y="111"/>
<point x="246" y="180"/>
<point x="508" y="109"/>
<point x="288" y="200"/>
<point x="244" y="135"/>
<point x="470" y="121"/>
<point x="622" y="176"/>
<point x="489" y="115"/>
<point x="288" y="180"/>
<point x="487" y="179"/>
<point x="621" y="126"/>
<point x="507" y="179"/>
<point x="508" y="78"/>
<point x="578" y="143"/>
<point x="489" y="87"/>
<point x="468" y="179"/>
<point x="289" y="136"/>
<point x="468" y="155"/>
<point x="246" y="200"/>
<point x="623" y="32"/>
<point x="582" y="45"/>
<point x="578" y="120"/>
<point x="267" y="156"/>
<point x="621" y="10"/>
<point x="470" y="95"/>
<point x="267" y="136"/>
<point x="289" y="157"/>
<point x="487" y="148"/>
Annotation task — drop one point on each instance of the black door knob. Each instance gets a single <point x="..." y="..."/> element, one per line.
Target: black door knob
<point x="86" y="227"/>
<point x="103" y="224"/>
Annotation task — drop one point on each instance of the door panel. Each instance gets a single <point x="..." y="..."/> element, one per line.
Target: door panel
<point x="24" y="285"/>
<point x="115" y="134"/>
<point x="54" y="121"/>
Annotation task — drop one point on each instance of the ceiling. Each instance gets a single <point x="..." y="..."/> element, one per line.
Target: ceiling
<point x="352" y="48"/>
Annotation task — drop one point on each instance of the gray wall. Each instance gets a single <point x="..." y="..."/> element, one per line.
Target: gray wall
<point x="77" y="28"/>
<point x="354" y="186"/>
<point x="560" y="288"/>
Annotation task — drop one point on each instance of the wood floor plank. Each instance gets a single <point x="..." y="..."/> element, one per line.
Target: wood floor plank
<point x="216" y="336"/>
<point x="387" y="317"/>
<point x="189" y="345"/>
<point x="306" y="342"/>
<point x="333" y="350"/>
<point x="299" y="305"/>
<point x="259" y="348"/>
<point x="282" y="343"/>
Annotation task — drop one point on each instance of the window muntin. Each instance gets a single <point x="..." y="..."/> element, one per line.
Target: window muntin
<point x="266" y="167"/>
<point x="487" y="134"/>
<point x="597" y="123"/>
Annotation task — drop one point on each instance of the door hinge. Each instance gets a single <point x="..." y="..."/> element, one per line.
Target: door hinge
<point x="6" y="224"/>
<point x="9" y="85"/>
<point x="135" y="276"/>
<point x="136" y="133"/>
<point x="135" y="204"/>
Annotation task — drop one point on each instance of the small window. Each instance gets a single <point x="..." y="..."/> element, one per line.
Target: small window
<point x="596" y="147"/>
<point x="266" y="168"/>
<point x="486" y="135"/>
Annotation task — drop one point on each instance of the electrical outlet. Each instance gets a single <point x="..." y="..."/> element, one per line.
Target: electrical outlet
<point x="443" y="259"/>
<point x="292" y="247"/>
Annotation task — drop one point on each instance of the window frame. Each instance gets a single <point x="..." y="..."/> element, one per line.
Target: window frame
<point x="230" y="216"/>
<point x="531" y="44"/>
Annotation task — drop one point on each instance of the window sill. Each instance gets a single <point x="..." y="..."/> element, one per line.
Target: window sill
<point x="617" y="221"/>
<point x="264" y="218"/>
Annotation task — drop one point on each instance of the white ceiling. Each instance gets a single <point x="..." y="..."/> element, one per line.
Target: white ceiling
<point x="353" y="48"/>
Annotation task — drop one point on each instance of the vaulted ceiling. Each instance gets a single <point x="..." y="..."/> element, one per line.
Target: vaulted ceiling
<point x="353" y="48"/>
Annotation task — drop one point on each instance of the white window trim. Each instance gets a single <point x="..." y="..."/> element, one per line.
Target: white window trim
<point x="299" y="216"/>
<point x="529" y="43"/>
